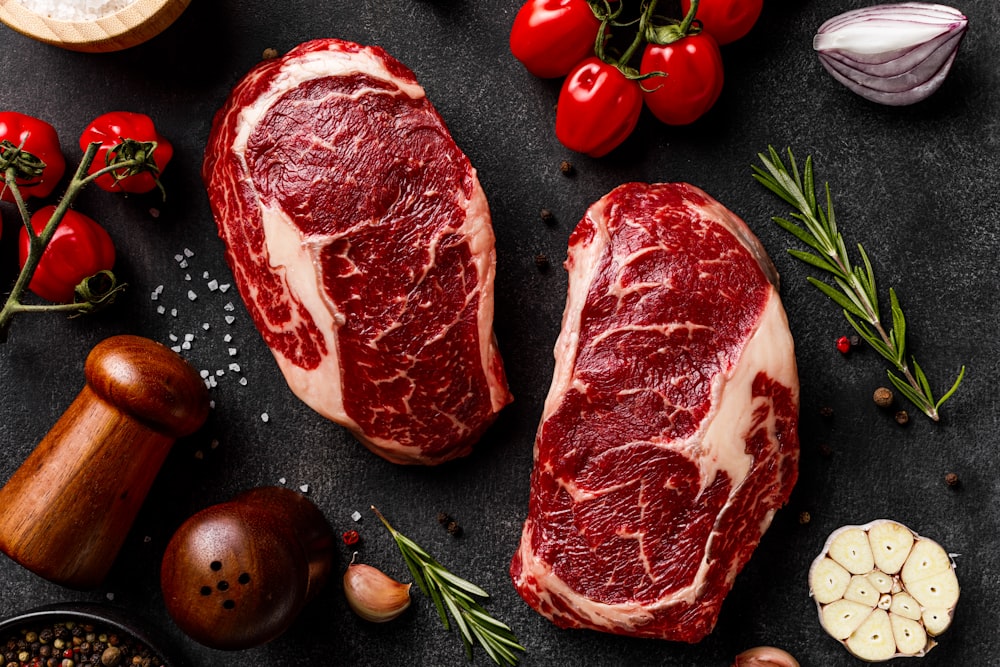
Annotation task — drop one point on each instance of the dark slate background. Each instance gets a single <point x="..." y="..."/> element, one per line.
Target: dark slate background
<point x="916" y="186"/>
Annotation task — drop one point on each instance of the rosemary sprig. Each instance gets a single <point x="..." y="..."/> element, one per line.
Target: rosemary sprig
<point x="453" y="595"/>
<point x="855" y="285"/>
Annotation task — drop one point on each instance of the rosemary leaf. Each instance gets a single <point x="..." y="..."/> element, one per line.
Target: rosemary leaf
<point x="855" y="290"/>
<point x="453" y="596"/>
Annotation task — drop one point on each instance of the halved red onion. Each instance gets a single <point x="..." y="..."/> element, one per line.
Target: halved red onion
<point x="893" y="54"/>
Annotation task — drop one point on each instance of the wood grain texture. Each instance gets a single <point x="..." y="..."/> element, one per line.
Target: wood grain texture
<point x="66" y="511"/>
<point x="136" y="23"/>
<point x="237" y="574"/>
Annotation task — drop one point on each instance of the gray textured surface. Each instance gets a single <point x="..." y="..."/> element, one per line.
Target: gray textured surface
<point x="916" y="185"/>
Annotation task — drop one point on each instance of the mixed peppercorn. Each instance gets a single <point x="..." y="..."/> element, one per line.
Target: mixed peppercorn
<point x="71" y="644"/>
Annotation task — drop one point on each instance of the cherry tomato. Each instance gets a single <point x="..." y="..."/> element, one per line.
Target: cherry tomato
<point x="551" y="36"/>
<point x="693" y="81"/>
<point x="726" y="20"/>
<point x="79" y="249"/>
<point x="598" y="108"/>
<point x="111" y="130"/>
<point x="39" y="140"/>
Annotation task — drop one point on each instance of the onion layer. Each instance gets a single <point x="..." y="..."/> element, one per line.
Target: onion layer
<point x="894" y="54"/>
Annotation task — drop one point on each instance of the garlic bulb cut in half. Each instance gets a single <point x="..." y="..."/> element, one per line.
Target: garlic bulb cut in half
<point x="894" y="54"/>
<point x="883" y="591"/>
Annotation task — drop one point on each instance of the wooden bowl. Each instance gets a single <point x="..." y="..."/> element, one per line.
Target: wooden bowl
<point x="136" y="23"/>
<point x="105" y="619"/>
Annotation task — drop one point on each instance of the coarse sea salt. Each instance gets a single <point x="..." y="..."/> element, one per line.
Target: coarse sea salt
<point x="75" y="10"/>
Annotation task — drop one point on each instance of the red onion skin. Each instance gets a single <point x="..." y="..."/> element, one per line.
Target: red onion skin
<point x="896" y="77"/>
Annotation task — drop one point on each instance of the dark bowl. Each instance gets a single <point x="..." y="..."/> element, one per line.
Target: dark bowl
<point x="129" y="629"/>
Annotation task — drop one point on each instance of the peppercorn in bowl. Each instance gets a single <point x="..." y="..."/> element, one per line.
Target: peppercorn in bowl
<point x="91" y="25"/>
<point x="81" y="634"/>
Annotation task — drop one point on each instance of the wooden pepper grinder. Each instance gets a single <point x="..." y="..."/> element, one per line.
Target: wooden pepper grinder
<point x="237" y="574"/>
<point x="66" y="511"/>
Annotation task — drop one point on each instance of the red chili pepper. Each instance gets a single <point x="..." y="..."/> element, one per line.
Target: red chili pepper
<point x="351" y="537"/>
<point x="31" y="147"/>
<point x="79" y="249"/>
<point x="843" y="344"/>
<point x="127" y="135"/>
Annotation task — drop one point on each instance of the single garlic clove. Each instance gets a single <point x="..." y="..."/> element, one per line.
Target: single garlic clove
<point x="842" y="617"/>
<point x="939" y="591"/>
<point x="850" y="548"/>
<point x="828" y="580"/>
<point x="927" y="558"/>
<point x="873" y="640"/>
<point x="881" y="581"/>
<point x="891" y="543"/>
<point x="904" y="605"/>
<point x="861" y="590"/>
<point x="374" y="595"/>
<point x="936" y="621"/>
<point x="765" y="656"/>
<point x="908" y="634"/>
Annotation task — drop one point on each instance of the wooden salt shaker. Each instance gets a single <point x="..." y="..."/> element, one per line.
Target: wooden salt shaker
<point x="237" y="574"/>
<point x="66" y="511"/>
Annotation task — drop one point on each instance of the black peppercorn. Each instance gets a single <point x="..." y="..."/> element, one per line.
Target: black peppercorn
<point x="902" y="417"/>
<point x="951" y="479"/>
<point x="542" y="262"/>
<point x="883" y="397"/>
<point x="566" y="167"/>
<point x="547" y="216"/>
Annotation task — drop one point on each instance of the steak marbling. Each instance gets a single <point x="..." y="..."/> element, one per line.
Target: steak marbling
<point x="669" y="435"/>
<point x="361" y="242"/>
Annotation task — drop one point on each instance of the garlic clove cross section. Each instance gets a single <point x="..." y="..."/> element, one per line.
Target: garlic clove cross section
<point x="883" y="591"/>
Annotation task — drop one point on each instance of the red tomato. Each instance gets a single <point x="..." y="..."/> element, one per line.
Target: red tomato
<point x="726" y="20"/>
<point x="79" y="249"/>
<point x="39" y="140"/>
<point x="111" y="131"/>
<point x="693" y="81"/>
<point x="551" y="36"/>
<point x="598" y="108"/>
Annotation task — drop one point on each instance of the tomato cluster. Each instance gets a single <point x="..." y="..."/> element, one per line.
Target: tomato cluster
<point x="679" y="74"/>
<point x="32" y="164"/>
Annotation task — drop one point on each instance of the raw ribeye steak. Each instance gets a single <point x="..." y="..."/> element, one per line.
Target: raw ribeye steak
<point x="361" y="242"/>
<point x="669" y="435"/>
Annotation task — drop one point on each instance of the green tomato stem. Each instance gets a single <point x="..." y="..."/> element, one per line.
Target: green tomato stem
<point x="39" y="241"/>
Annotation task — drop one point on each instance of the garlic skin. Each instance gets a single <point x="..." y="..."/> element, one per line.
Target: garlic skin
<point x="374" y="595"/>
<point x="883" y="591"/>
<point x="765" y="656"/>
<point x="894" y="54"/>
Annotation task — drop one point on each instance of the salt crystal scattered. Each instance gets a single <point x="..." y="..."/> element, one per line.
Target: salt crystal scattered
<point x="264" y="417"/>
<point x="173" y="338"/>
<point x="243" y="381"/>
<point x="220" y="372"/>
<point x="211" y="404"/>
<point x="179" y="258"/>
<point x="232" y="352"/>
<point x="176" y="348"/>
<point x="204" y="373"/>
<point x="213" y="285"/>
<point x="154" y="296"/>
<point x="356" y="515"/>
<point x="189" y="337"/>
<point x="230" y="319"/>
<point x="173" y="312"/>
<point x="188" y="252"/>
<point x="161" y="310"/>
<point x="110" y="596"/>
<point x="159" y="289"/>
<point x="186" y="345"/>
<point x="212" y="383"/>
<point x="191" y="295"/>
<point x="224" y="288"/>
<point x="205" y="275"/>
<point x="229" y="307"/>
<point x="227" y="338"/>
<point x="234" y="368"/>
<point x="206" y="326"/>
<point x="183" y="264"/>
<point x="187" y="277"/>
<point x="281" y="480"/>
<point x="304" y="488"/>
